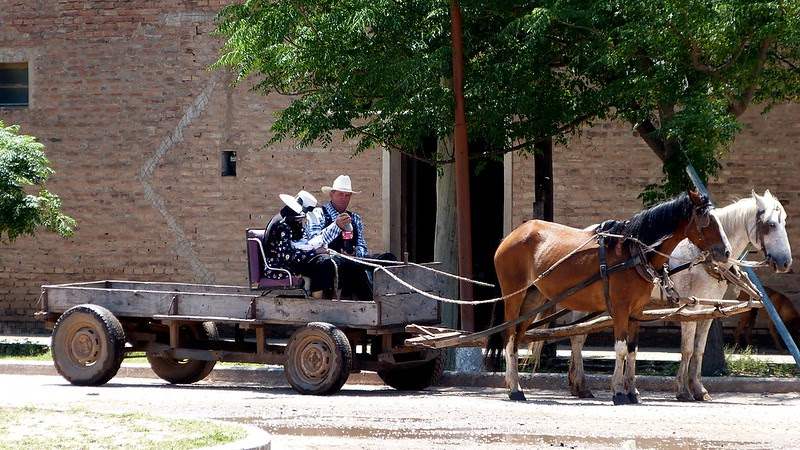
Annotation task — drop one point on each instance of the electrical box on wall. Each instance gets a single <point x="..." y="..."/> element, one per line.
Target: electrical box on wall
<point x="228" y="163"/>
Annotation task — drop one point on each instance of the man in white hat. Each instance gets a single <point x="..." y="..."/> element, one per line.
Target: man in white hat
<point x="281" y="253"/>
<point x="333" y="225"/>
<point x="342" y="230"/>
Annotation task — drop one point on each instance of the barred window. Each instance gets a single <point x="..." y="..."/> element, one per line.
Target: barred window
<point x="14" y="84"/>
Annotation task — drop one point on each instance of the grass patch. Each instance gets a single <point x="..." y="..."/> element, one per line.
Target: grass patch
<point x="13" y="349"/>
<point x="32" y="427"/>
<point x="742" y="362"/>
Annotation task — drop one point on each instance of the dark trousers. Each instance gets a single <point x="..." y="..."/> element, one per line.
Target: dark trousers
<point x="355" y="279"/>
<point x="321" y="271"/>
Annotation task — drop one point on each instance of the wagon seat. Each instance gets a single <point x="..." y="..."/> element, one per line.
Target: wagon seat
<point x="258" y="269"/>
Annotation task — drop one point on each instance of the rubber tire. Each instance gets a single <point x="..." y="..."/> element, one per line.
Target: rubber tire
<point x="106" y="338"/>
<point x="310" y="341"/>
<point x="190" y="370"/>
<point x="414" y="378"/>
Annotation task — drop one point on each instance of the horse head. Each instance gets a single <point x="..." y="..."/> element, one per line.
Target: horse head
<point x="768" y="233"/>
<point x="704" y="229"/>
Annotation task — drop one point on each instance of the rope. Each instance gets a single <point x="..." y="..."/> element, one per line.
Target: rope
<point x="459" y="301"/>
<point x="440" y="272"/>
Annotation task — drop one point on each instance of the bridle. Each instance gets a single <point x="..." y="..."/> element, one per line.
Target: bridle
<point x="701" y="218"/>
<point x="762" y="228"/>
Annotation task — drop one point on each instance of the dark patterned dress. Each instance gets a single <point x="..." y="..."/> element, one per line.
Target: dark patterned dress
<point x="281" y="254"/>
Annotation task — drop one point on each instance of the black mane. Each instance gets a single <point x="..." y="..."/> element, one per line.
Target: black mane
<point x="656" y="223"/>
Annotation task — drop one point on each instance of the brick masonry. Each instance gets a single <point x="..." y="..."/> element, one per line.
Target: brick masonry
<point x="134" y="124"/>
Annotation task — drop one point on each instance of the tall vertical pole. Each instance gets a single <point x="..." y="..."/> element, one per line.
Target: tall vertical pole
<point x="464" y="216"/>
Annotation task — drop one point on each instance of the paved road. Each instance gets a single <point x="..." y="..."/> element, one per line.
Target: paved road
<point x="377" y="417"/>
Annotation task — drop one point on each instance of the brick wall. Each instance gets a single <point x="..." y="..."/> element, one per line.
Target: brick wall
<point x="134" y="124"/>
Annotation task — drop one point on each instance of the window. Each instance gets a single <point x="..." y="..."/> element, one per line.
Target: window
<point x="14" y="84"/>
<point x="228" y="161"/>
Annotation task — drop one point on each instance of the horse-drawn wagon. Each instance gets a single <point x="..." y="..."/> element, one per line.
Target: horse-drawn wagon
<point x="97" y="324"/>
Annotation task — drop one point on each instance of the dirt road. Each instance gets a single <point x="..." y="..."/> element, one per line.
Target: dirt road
<point x="380" y="418"/>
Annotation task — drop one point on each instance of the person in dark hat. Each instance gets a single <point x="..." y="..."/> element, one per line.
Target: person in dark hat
<point x="281" y="253"/>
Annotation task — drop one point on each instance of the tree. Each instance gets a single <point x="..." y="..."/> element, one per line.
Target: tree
<point x="681" y="72"/>
<point x="23" y="169"/>
<point x="376" y="71"/>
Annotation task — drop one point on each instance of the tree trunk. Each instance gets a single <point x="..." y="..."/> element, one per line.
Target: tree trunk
<point x="543" y="181"/>
<point x="445" y="247"/>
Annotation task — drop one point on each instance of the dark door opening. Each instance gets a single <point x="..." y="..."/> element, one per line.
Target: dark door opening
<point x="486" y="196"/>
<point x="418" y="209"/>
<point x="418" y="217"/>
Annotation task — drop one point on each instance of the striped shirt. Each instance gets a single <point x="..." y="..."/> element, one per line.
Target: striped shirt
<point x="319" y="234"/>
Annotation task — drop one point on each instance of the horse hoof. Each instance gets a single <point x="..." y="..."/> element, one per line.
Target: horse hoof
<point x="585" y="394"/>
<point x="684" y="397"/>
<point x="517" y="396"/>
<point x="620" y="399"/>
<point x="634" y="398"/>
<point x="703" y="397"/>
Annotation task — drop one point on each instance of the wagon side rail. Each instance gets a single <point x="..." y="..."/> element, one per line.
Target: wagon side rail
<point x="141" y="300"/>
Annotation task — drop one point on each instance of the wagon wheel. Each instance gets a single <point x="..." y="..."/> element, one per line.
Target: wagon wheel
<point x="186" y="371"/>
<point x="414" y="378"/>
<point x="318" y="359"/>
<point x="88" y="345"/>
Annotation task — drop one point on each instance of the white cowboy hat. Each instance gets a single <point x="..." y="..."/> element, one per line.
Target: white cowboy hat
<point x="292" y="203"/>
<point x="341" y="184"/>
<point x="306" y="200"/>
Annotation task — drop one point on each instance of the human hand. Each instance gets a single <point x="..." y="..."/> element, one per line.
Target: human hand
<point x="342" y="220"/>
<point x="322" y="251"/>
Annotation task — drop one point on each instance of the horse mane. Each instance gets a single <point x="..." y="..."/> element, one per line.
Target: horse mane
<point x="656" y="223"/>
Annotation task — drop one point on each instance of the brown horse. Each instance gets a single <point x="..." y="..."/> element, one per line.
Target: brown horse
<point x="537" y="246"/>
<point x="786" y="310"/>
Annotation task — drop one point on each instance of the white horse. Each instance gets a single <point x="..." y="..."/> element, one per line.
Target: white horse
<point x="757" y="220"/>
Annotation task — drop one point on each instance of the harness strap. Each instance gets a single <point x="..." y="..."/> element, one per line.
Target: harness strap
<point x="601" y="240"/>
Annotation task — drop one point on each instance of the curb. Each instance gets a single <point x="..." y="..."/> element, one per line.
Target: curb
<point x="272" y="376"/>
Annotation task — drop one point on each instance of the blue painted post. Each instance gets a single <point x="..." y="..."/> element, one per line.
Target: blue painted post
<point x="773" y="313"/>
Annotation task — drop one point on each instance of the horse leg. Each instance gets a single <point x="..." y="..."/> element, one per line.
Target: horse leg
<point x="696" y="387"/>
<point x="619" y="396"/>
<point x="512" y="369"/>
<point x="682" y="391"/>
<point x="630" y="363"/>
<point x="743" y="328"/>
<point x="535" y="354"/>
<point x="531" y="300"/>
<point x="576" y="376"/>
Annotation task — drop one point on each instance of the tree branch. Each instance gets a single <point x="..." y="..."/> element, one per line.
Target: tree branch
<point x="389" y="145"/>
<point x="562" y="129"/>
<point x="648" y="132"/>
<point x="710" y="70"/>
<point x="738" y="106"/>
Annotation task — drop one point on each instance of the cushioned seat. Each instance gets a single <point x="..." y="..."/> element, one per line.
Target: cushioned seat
<point x="256" y="263"/>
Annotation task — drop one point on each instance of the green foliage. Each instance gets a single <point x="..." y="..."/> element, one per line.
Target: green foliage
<point x="25" y="169"/>
<point x="680" y="72"/>
<point x="743" y="362"/>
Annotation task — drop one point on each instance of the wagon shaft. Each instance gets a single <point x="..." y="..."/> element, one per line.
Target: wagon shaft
<point x="671" y="314"/>
<point x="437" y="337"/>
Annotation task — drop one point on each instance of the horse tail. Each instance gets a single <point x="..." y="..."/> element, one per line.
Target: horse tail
<point x="493" y="361"/>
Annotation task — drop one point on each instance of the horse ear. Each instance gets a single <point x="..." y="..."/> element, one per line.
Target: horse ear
<point x="767" y="194"/>
<point x="759" y="201"/>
